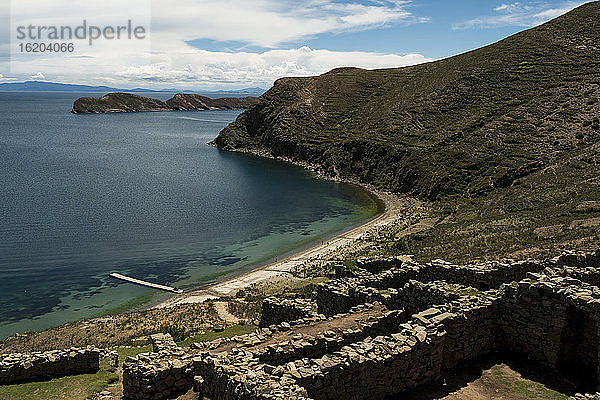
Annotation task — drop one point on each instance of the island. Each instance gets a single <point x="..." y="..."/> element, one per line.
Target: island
<point x="129" y="102"/>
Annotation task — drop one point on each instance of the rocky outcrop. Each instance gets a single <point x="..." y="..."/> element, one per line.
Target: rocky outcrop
<point x="128" y="102"/>
<point x="189" y="102"/>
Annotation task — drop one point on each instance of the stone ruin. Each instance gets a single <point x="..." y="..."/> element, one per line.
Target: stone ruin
<point x="394" y="329"/>
<point x="28" y="367"/>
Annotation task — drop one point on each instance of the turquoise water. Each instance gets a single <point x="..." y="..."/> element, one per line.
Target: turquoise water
<point x="140" y="194"/>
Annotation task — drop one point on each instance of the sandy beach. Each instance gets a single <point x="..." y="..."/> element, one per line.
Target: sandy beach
<point x="283" y="267"/>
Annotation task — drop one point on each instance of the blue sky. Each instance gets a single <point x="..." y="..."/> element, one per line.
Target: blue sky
<point x="438" y="29"/>
<point x="238" y="43"/>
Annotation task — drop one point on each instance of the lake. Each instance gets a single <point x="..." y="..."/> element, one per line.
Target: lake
<point x="142" y="194"/>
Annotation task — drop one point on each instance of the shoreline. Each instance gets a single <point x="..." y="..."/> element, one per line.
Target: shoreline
<point x="388" y="206"/>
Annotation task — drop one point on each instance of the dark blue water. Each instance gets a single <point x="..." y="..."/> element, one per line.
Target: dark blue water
<point x="142" y="194"/>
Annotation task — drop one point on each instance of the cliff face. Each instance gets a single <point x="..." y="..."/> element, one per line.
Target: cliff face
<point x="469" y="125"/>
<point x="127" y="102"/>
<point x="117" y="102"/>
<point x="196" y="102"/>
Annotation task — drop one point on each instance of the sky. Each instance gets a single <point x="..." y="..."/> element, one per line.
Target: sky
<point x="232" y="44"/>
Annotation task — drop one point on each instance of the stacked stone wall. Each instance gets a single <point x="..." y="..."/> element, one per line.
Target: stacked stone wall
<point x="484" y="276"/>
<point x="275" y="310"/>
<point x="578" y="259"/>
<point x="162" y="341"/>
<point x="373" y="368"/>
<point x="329" y="341"/>
<point x="427" y="328"/>
<point x="157" y="376"/>
<point x="378" y="264"/>
<point x="238" y="376"/>
<point x="28" y="367"/>
<point x="339" y="295"/>
<point x="536" y="319"/>
<point x="471" y="326"/>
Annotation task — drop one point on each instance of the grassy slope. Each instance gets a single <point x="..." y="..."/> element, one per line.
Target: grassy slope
<point x="504" y="140"/>
<point x="76" y="387"/>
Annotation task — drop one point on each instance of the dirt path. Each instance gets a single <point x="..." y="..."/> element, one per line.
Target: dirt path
<point x="224" y="314"/>
<point x="336" y="325"/>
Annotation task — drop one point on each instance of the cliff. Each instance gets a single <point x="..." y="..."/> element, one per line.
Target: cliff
<point x="504" y="140"/>
<point x="127" y="102"/>
<point x="470" y="123"/>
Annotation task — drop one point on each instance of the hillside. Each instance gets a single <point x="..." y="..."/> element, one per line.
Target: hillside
<point x="128" y="102"/>
<point x="503" y="138"/>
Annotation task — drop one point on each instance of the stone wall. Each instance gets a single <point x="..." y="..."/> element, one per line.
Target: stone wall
<point x="373" y="368"/>
<point x="157" y="376"/>
<point x="339" y="295"/>
<point x="162" y="341"/>
<point x="555" y="321"/>
<point x="275" y="310"/>
<point x="417" y="328"/>
<point x="586" y="396"/>
<point x="435" y="340"/>
<point x="28" y="367"/>
<point x="589" y="275"/>
<point x="411" y="297"/>
<point x="331" y="299"/>
<point x="482" y="276"/>
<point x="237" y="375"/>
<point x="471" y="327"/>
<point x="378" y="264"/>
<point x="329" y="341"/>
<point x="578" y="259"/>
<point x="353" y="365"/>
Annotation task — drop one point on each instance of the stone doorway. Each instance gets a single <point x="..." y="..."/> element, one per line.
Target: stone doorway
<point x="578" y="351"/>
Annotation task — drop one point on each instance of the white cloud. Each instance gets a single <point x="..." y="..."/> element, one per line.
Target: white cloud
<point x="38" y="77"/>
<point x="167" y="58"/>
<point x="518" y="14"/>
<point x="4" y="78"/>
<point x="268" y="23"/>
<point x="204" y="67"/>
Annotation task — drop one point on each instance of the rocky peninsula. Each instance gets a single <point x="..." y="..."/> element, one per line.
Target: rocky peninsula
<point x="128" y="102"/>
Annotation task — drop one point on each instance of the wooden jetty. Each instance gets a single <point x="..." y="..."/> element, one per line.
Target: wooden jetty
<point x="144" y="283"/>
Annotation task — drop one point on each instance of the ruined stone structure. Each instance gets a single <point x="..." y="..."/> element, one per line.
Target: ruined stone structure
<point x="28" y="367"/>
<point x="165" y="373"/>
<point x="162" y="342"/>
<point x="380" y="334"/>
<point x="275" y="311"/>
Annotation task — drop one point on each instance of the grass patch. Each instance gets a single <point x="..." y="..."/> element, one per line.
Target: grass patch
<point x="472" y="292"/>
<point x="532" y="390"/>
<point x="76" y="387"/>
<point x="236" y="330"/>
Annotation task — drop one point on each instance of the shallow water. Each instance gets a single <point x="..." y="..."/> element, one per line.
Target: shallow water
<point x="141" y="194"/>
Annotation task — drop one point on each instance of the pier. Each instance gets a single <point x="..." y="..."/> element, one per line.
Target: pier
<point x="144" y="283"/>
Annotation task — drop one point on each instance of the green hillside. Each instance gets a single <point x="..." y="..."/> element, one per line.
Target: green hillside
<point x="503" y="140"/>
